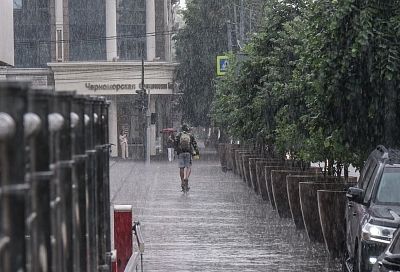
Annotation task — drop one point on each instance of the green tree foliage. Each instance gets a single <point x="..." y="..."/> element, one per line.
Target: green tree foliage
<point x="325" y="76"/>
<point x="257" y="88"/>
<point x="239" y="105"/>
<point x="197" y="45"/>
<point x="354" y="60"/>
<point x="203" y="38"/>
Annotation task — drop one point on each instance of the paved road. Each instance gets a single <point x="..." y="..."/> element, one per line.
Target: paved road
<point x="221" y="225"/>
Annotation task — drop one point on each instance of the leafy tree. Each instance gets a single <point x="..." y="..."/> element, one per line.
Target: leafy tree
<point x="325" y="75"/>
<point x="254" y="88"/>
<point x="238" y="106"/>
<point x="197" y="45"/>
<point x="354" y="60"/>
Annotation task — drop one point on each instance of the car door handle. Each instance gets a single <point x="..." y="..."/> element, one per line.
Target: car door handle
<point x="354" y="213"/>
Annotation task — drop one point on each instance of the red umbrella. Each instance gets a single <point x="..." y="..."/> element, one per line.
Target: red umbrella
<point x="168" y="130"/>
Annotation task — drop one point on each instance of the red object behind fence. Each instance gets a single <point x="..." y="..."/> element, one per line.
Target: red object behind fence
<point x="122" y="236"/>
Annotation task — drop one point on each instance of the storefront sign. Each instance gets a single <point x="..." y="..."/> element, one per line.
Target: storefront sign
<point x="117" y="87"/>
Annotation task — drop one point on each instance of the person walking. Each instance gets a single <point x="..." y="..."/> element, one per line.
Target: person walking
<point x="170" y="146"/>
<point x="186" y="147"/>
<point x="123" y="141"/>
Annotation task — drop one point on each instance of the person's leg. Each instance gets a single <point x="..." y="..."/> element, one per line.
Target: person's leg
<point x="186" y="179"/>
<point x="181" y="165"/>
<point x="189" y="171"/>
<point x="125" y="151"/>
<point x="170" y="154"/>
<point x="188" y="166"/>
<point x="122" y="151"/>
<point x="182" y="173"/>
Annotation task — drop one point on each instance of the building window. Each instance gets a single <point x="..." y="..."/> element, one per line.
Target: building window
<point x="59" y="45"/>
<point x="131" y="29"/>
<point x="87" y="30"/>
<point x="17" y="4"/>
<point x="32" y="33"/>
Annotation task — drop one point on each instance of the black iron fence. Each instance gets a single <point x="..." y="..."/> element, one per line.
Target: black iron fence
<point x="54" y="181"/>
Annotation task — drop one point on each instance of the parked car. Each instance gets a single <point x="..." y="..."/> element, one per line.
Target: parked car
<point x="373" y="210"/>
<point x="390" y="260"/>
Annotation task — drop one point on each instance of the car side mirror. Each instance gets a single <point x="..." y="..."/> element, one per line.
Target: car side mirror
<point x="355" y="194"/>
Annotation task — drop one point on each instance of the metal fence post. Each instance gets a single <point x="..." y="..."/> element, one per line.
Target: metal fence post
<point x="106" y="180"/>
<point x="63" y="187"/>
<point x="79" y="185"/>
<point x="13" y="106"/>
<point x="99" y="142"/>
<point x="91" y="184"/>
<point x="40" y="176"/>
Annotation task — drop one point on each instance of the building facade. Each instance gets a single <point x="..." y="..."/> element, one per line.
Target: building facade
<point x="96" y="47"/>
<point x="118" y="82"/>
<point x="91" y="30"/>
<point x="6" y="33"/>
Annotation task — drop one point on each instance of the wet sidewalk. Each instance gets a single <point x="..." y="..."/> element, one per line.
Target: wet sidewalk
<point x="221" y="225"/>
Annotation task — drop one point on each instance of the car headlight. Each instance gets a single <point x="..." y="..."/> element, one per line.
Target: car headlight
<point x="377" y="233"/>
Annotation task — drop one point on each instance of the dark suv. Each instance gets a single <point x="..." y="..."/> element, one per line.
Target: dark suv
<point x="373" y="209"/>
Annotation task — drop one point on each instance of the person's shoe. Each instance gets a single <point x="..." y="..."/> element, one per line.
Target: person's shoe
<point x="186" y="184"/>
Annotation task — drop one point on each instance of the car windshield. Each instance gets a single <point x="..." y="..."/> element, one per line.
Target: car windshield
<point x="389" y="187"/>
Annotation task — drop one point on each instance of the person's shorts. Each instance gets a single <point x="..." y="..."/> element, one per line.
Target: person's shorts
<point x="184" y="160"/>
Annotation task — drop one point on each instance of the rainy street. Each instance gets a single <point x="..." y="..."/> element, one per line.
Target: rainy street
<point x="221" y="225"/>
<point x="289" y="109"/>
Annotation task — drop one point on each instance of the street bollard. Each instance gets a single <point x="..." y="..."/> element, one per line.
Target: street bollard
<point x="79" y="181"/>
<point x="39" y="177"/>
<point x="13" y="188"/>
<point x="123" y="218"/>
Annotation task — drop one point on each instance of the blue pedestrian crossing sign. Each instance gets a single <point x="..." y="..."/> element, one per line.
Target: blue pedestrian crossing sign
<point x="222" y="65"/>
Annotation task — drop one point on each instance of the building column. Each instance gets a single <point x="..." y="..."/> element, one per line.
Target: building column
<point x="168" y="29"/>
<point x="7" y="35"/>
<point x="111" y="30"/>
<point x="150" y="30"/>
<point x="113" y="126"/>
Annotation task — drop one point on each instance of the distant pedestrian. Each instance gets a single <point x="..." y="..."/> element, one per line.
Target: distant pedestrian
<point x="170" y="146"/>
<point x="123" y="141"/>
<point x="186" y="147"/>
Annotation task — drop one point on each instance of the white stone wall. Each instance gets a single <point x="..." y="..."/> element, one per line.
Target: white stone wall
<point x="6" y="32"/>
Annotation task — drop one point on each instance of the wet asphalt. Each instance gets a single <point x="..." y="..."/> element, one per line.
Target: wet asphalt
<point x="220" y="225"/>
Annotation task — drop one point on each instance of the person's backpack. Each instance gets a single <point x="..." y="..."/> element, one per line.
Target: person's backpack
<point x="184" y="142"/>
